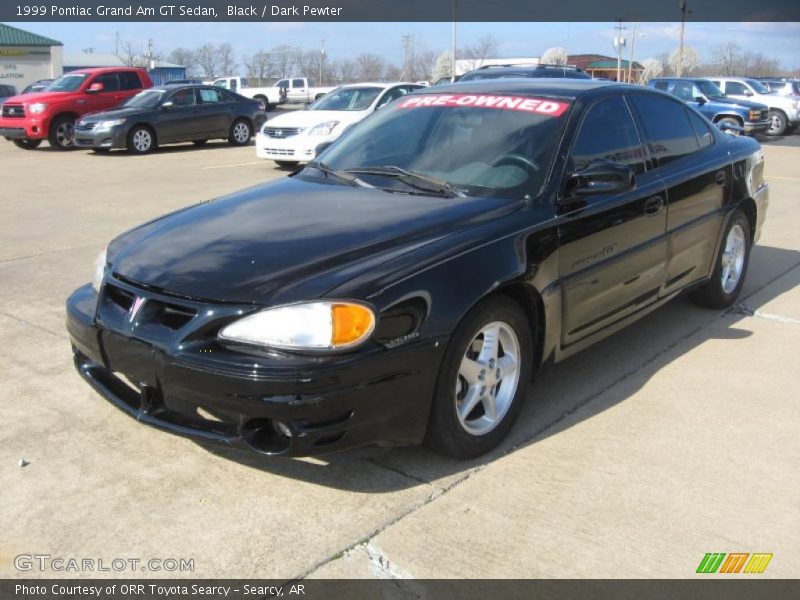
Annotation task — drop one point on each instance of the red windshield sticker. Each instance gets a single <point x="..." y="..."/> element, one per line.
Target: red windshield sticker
<point x="532" y="105"/>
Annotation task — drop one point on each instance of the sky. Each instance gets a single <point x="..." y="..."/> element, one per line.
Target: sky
<point x="347" y="40"/>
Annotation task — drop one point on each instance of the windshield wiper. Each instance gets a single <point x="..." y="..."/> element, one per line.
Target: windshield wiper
<point x="340" y="175"/>
<point x="413" y="179"/>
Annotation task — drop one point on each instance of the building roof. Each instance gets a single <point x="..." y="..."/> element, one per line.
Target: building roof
<point x="11" y="36"/>
<point x="105" y="59"/>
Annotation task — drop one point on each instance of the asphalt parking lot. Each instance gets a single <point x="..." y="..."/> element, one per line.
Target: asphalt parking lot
<point x="671" y="439"/>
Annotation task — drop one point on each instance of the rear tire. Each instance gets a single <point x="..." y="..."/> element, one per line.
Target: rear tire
<point x="62" y="133"/>
<point x="730" y="270"/>
<point x="483" y="380"/>
<point x="240" y="133"/>
<point x="27" y="144"/>
<point x="778" y="123"/>
<point x="264" y="101"/>
<point x="141" y="140"/>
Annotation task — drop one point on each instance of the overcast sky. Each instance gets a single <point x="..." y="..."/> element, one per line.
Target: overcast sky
<point x="346" y="40"/>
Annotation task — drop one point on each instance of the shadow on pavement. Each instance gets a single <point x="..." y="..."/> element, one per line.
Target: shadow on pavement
<point x="579" y="388"/>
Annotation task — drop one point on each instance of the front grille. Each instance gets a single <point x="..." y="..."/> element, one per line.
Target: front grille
<point x="13" y="111"/>
<point x="79" y="126"/>
<point x="764" y="114"/>
<point x="167" y="314"/>
<point x="282" y="132"/>
<point x="280" y="151"/>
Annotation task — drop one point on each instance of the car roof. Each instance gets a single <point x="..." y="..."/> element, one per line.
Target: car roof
<point x="166" y="87"/>
<point x="544" y="86"/>
<point x="104" y="70"/>
<point x="380" y="84"/>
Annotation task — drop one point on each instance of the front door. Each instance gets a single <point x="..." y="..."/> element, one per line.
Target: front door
<point x="179" y="122"/>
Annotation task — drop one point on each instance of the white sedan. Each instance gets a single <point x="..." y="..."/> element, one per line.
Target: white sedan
<point x="293" y="137"/>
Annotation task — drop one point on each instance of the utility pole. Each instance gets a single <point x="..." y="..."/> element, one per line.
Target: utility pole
<point x="407" y="41"/>
<point x="619" y="43"/>
<point x="679" y="67"/>
<point x="453" y="42"/>
<point x="321" y="60"/>
<point x="630" y="58"/>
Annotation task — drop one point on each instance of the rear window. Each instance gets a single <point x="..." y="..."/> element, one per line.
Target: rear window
<point x="128" y="80"/>
<point x="666" y="125"/>
<point x="661" y="85"/>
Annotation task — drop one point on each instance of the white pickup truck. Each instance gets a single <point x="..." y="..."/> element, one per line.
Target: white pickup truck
<point x="297" y="90"/>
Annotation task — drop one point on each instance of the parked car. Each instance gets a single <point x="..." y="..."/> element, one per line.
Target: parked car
<point x="293" y="137"/>
<point x="36" y="86"/>
<point x="736" y="116"/>
<point x="446" y="80"/>
<point x="404" y="287"/>
<point x="783" y="87"/>
<point x="302" y="90"/>
<point x="524" y="71"/>
<point x="6" y="92"/>
<point x="29" y="119"/>
<point x="784" y="111"/>
<point x="171" y="114"/>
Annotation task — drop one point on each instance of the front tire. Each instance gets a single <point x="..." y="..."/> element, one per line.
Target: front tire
<point x="778" y="123"/>
<point x="141" y="140"/>
<point x="730" y="121"/>
<point x="62" y="133"/>
<point x="240" y="133"/>
<point x="730" y="270"/>
<point x="483" y="380"/>
<point x="27" y="144"/>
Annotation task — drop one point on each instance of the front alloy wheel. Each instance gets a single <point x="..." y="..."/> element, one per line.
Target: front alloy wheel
<point x="140" y="140"/>
<point x="62" y="133"/>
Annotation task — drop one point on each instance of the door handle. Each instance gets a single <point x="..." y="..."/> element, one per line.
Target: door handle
<point x="653" y="205"/>
<point x="720" y="178"/>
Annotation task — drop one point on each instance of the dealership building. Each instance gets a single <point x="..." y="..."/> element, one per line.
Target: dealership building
<point x="27" y="57"/>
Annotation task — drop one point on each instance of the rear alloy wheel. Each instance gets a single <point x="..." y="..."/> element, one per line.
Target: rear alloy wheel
<point x="240" y="133"/>
<point x="728" y="278"/>
<point x="140" y="140"/>
<point x="483" y="380"/>
<point x="62" y="133"/>
<point x="27" y="144"/>
<point x="264" y="101"/>
<point x="777" y="123"/>
<point x="729" y="121"/>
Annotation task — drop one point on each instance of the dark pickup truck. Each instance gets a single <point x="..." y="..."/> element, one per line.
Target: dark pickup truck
<point x="708" y="99"/>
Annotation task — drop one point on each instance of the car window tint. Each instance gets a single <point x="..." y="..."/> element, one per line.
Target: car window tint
<point x="718" y="83"/>
<point x="209" y="96"/>
<point x="702" y="127"/>
<point x="392" y="94"/>
<point x="129" y="80"/>
<point x="661" y="85"/>
<point x="229" y="96"/>
<point x="608" y="133"/>
<point x="669" y="133"/>
<point x="183" y="97"/>
<point x="734" y="88"/>
<point x="282" y="83"/>
<point x="683" y="90"/>
<point x="298" y="83"/>
<point x="109" y="81"/>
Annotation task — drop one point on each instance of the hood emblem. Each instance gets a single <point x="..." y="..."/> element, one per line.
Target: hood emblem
<point x="135" y="308"/>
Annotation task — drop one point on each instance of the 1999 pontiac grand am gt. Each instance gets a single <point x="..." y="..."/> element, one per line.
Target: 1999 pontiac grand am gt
<point x="407" y="285"/>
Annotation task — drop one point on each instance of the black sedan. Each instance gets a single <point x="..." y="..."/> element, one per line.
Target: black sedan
<point x="406" y="286"/>
<point x="171" y="114"/>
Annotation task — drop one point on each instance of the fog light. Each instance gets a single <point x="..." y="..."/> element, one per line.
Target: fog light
<point x="283" y="429"/>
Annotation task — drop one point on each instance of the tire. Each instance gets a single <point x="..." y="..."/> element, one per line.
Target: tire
<point x="469" y="376"/>
<point x="730" y="121"/>
<point x="778" y="123"/>
<point x="730" y="270"/>
<point x="199" y="142"/>
<point x="264" y="101"/>
<point x="240" y="133"/>
<point x="287" y="164"/>
<point x="27" y="144"/>
<point x="141" y="140"/>
<point x="62" y="133"/>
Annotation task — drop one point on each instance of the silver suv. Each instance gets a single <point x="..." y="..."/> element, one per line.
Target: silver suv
<point x="784" y="111"/>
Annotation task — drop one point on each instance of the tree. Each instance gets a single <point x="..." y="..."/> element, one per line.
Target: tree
<point x="208" y="61"/>
<point x="259" y="66"/>
<point x="369" y="66"/>
<point x="285" y="58"/>
<point x="346" y="71"/>
<point x="227" y="62"/>
<point x="651" y="68"/>
<point x="554" y="56"/>
<point x="690" y="62"/>
<point x="185" y="57"/>
<point x="443" y="67"/>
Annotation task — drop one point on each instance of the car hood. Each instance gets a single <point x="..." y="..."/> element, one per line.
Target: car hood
<point x="744" y="103"/>
<point x="39" y="97"/>
<point x="288" y="240"/>
<point x="304" y="119"/>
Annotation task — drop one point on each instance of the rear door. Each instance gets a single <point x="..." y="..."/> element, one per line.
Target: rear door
<point x="697" y="178"/>
<point x="129" y="84"/>
<point x="214" y="114"/>
<point x="298" y="92"/>
<point x="613" y="247"/>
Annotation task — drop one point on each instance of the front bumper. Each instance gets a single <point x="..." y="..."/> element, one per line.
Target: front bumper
<point x="185" y="383"/>
<point x="29" y="128"/>
<point x="112" y="138"/>
<point x="754" y="127"/>
<point x="297" y="148"/>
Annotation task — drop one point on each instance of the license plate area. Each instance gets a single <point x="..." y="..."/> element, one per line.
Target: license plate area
<point x="131" y="358"/>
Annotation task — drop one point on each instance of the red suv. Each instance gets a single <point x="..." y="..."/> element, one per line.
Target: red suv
<point x="51" y="113"/>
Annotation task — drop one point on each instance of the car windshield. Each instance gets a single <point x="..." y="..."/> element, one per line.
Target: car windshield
<point x="352" y="98"/>
<point x="710" y="90"/>
<point x="479" y="75"/>
<point x="759" y="87"/>
<point x="145" y="99"/>
<point x="67" y="83"/>
<point x="479" y="145"/>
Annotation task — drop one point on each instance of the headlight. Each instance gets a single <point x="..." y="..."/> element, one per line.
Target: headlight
<point x="308" y="326"/>
<point x="37" y="107"/>
<point x="107" y="125"/>
<point x="99" y="271"/>
<point x="323" y="128"/>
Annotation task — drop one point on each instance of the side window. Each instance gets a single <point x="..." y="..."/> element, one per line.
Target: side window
<point x="209" y="96"/>
<point x="109" y="81"/>
<point x="283" y="83"/>
<point x="392" y="94"/>
<point x="128" y="80"/>
<point x="734" y="88"/>
<point x="184" y="97"/>
<point x="608" y="133"/>
<point x="702" y="127"/>
<point x="661" y="85"/>
<point x="666" y="125"/>
<point x="683" y="90"/>
<point x="718" y="83"/>
<point x="298" y="83"/>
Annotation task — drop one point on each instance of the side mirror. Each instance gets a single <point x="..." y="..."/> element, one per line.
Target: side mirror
<point x="730" y="128"/>
<point x="167" y="105"/>
<point x="601" y="177"/>
<point x="321" y="147"/>
<point x="700" y="99"/>
<point x="95" y="88"/>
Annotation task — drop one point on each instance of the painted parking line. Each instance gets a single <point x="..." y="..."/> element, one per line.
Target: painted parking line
<point x="783" y="178"/>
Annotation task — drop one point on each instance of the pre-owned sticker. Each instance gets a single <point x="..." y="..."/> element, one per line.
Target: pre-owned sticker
<point x="539" y="106"/>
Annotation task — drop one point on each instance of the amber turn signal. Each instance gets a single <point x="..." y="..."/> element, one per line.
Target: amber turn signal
<point x="352" y="323"/>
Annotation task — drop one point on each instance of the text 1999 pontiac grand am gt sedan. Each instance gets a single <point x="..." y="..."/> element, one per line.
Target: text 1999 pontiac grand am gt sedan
<point x="406" y="286"/>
